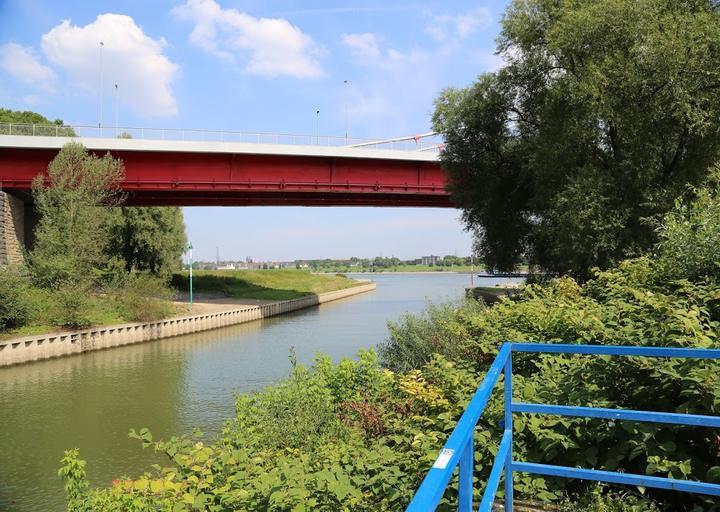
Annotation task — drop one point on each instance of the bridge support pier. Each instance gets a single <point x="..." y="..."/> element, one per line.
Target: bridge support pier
<point x="17" y="228"/>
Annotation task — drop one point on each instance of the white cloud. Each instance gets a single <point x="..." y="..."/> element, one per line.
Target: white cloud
<point x="20" y="62"/>
<point x="130" y="58"/>
<point x="446" y="28"/>
<point x="362" y="46"/>
<point x="274" y="46"/>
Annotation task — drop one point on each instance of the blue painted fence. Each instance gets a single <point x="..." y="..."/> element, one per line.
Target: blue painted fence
<point x="458" y="450"/>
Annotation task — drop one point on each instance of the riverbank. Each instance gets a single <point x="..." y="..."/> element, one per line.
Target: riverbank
<point x="45" y="346"/>
<point x="272" y="284"/>
<point x="146" y="299"/>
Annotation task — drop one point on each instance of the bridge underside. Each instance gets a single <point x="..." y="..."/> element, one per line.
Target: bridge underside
<point x="232" y="179"/>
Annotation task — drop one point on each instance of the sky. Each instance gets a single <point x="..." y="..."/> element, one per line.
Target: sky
<point x="259" y="65"/>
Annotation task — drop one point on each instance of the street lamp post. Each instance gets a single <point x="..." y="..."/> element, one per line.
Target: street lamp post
<point x="189" y="248"/>
<point x="101" y="87"/>
<point x="317" y="127"/>
<point x="346" y="110"/>
<point x="117" y="98"/>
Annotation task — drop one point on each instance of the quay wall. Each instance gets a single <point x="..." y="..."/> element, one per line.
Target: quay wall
<point x="58" y="344"/>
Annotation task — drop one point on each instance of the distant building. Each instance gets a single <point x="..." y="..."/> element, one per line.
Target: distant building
<point x="431" y="260"/>
<point x="226" y="266"/>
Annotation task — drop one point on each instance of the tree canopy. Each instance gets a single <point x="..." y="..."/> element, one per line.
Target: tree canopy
<point x="150" y="239"/>
<point x="72" y="200"/>
<point x="571" y="154"/>
<point x="25" y="118"/>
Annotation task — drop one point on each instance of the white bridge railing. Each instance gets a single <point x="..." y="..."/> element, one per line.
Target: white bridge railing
<point x="423" y="142"/>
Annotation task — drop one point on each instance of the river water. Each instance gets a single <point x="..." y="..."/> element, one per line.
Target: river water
<point x="171" y="386"/>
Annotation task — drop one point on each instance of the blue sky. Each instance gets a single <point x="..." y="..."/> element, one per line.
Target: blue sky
<point x="259" y="66"/>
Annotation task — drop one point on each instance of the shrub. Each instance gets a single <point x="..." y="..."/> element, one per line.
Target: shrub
<point x="70" y="307"/>
<point x="145" y="298"/>
<point x="113" y="277"/>
<point x="441" y="328"/>
<point x="15" y="304"/>
<point x="689" y="245"/>
<point x="602" y="499"/>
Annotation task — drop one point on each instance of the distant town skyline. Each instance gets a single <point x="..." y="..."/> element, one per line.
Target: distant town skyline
<point x="370" y="69"/>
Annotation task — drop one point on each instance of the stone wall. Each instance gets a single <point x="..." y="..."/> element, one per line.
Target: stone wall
<point x="12" y="229"/>
<point x="46" y="346"/>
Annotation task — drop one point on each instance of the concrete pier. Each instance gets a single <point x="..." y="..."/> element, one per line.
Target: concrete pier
<point x="58" y="344"/>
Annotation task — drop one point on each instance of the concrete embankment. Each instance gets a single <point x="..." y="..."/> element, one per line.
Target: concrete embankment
<point x="46" y="346"/>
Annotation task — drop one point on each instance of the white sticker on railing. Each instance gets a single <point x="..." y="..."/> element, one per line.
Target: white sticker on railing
<point x="442" y="461"/>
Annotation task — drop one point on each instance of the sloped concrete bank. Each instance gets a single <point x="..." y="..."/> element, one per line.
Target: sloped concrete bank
<point x="46" y="346"/>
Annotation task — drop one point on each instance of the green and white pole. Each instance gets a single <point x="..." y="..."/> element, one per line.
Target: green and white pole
<point x="189" y="249"/>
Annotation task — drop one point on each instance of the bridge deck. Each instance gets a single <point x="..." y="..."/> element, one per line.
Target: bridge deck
<point x="195" y="173"/>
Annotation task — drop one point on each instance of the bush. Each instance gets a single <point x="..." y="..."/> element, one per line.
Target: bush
<point x="601" y="499"/>
<point x="15" y="303"/>
<point x="689" y="245"/>
<point x="70" y="307"/>
<point x="113" y="277"/>
<point x="145" y="298"/>
<point x="415" y="338"/>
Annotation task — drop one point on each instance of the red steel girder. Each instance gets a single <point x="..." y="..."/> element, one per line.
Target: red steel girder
<point x="232" y="179"/>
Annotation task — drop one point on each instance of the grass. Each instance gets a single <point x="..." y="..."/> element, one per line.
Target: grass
<point x="101" y="310"/>
<point x="261" y="284"/>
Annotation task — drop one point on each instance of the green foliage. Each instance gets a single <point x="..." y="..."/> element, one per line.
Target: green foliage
<point x="150" y="239"/>
<point x="690" y="234"/>
<point x="145" y="297"/>
<point x="70" y="307"/>
<point x="72" y="232"/>
<point x="15" y="303"/>
<point x="603" y="114"/>
<point x="72" y="471"/>
<point x="628" y="305"/>
<point x="414" y="339"/>
<point x="600" y="499"/>
<point x="23" y="121"/>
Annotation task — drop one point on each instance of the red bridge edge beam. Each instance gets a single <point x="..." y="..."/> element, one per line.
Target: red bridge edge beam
<point x="165" y="178"/>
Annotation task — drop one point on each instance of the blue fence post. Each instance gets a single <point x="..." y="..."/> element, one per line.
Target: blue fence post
<point x="509" y="430"/>
<point x="465" y="485"/>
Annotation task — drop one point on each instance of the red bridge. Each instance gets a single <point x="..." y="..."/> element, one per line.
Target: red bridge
<point x="183" y="173"/>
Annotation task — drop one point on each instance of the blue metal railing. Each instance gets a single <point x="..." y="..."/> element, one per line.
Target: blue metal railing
<point x="458" y="451"/>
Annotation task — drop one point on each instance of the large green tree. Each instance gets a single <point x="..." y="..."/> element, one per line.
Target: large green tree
<point x="570" y="154"/>
<point x="150" y="239"/>
<point x="72" y="200"/>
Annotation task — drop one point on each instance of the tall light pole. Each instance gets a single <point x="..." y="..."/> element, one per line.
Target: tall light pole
<point x="345" y="97"/>
<point x="117" y="97"/>
<point x="317" y="127"/>
<point x="101" y="87"/>
<point x="189" y="249"/>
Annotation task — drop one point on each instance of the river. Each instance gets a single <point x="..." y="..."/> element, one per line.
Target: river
<point x="171" y="386"/>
